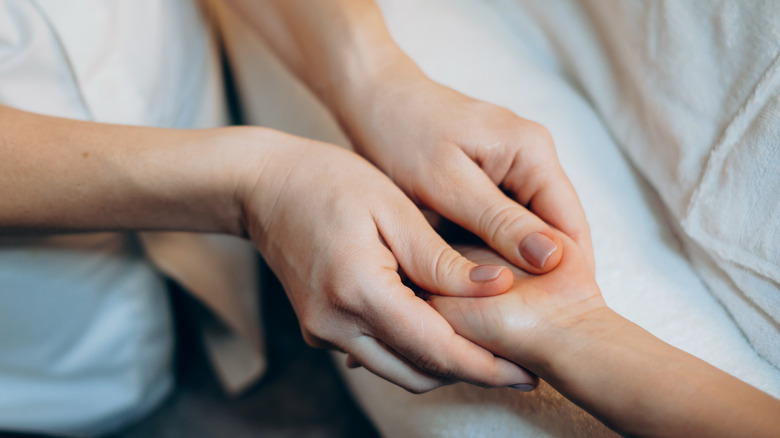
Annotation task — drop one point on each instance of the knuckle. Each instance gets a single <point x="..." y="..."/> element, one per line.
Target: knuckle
<point x="313" y="340"/>
<point x="345" y="300"/>
<point x="537" y="133"/>
<point x="495" y="221"/>
<point x="447" y="171"/>
<point x="447" y="263"/>
<point x="316" y="330"/>
<point x="342" y="290"/>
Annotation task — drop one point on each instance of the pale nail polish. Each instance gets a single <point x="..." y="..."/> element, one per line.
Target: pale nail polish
<point x="524" y="387"/>
<point x="536" y="248"/>
<point x="485" y="273"/>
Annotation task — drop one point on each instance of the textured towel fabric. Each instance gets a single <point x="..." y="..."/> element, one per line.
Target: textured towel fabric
<point x="494" y="51"/>
<point x="691" y="92"/>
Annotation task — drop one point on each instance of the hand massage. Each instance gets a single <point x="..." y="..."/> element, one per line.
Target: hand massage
<point x="502" y="217"/>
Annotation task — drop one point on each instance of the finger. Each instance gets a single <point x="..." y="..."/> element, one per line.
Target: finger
<point x="536" y="179"/>
<point x="432" y="264"/>
<point x="469" y="198"/>
<point x="473" y="319"/>
<point x="417" y="332"/>
<point x="351" y="363"/>
<point x="558" y="204"/>
<point x="376" y="357"/>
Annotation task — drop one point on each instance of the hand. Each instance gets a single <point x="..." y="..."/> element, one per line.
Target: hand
<point x="558" y="327"/>
<point x="336" y="231"/>
<point x="518" y="325"/>
<point x="454" y="154"/>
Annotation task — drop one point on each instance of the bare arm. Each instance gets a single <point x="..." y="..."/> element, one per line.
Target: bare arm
<point x="448" y="152"/>
<point x="315" y="211"/>
<point x="337" y="47"/>
<point x="65" y="175"/>
<point x="640" y="386"/>
<point x="558" y="326"/>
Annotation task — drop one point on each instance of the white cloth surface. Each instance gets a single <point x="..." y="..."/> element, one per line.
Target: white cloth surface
<point x="503" y="56"/>
<point x="85" y="334"/>
<point x="85" y="328"/>
<point x="691" y="93"/>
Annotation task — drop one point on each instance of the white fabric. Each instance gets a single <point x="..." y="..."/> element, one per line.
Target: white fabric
<point x="691" y="92"/>
<point x="494" y="51"/>
<point x="85" y="331"/>
<point x="85" y="334"/>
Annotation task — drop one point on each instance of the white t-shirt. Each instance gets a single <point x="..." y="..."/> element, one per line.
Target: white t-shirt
<point x="86" y="338"/>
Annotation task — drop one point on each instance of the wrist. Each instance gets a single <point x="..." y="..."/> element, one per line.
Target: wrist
<point x="266" y="173"/>
<point x="193" y="178"/>
<point x="563" y="338"/>
<point x="368" y="82"/>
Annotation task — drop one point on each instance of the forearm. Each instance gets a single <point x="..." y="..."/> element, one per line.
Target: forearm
<point x="64" y="175"/>
<point x="639" y="385"/>
<point x="340" y="48"/>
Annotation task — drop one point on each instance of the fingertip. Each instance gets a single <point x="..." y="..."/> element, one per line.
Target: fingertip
<point x="513" y="375"/>
<point x="485" y="273"/>
<point x="490" y="279"/>
<point x="528" y="385"/>
<point x="523" y="387"/>
<point x="541" y="251"/>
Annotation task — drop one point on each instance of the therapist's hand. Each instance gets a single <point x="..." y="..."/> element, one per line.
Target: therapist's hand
<point x="477" y="164"/>
<point x="448" y="152"/>
<point x="336" y="232"/>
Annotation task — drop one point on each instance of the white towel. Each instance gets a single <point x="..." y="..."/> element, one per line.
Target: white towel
<point x="691" y="92"/>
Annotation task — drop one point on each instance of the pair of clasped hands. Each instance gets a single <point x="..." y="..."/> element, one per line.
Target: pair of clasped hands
<point x="341" y="234"/>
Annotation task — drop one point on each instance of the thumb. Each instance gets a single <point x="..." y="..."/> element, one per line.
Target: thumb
<point x="474" y="202"/>
<point x="435" y="266"/>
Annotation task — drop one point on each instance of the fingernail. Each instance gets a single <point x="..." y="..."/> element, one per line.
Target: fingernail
<point x="485" y="273"/>
<point x="525" y="387"/>
<point x="536" y="248"/>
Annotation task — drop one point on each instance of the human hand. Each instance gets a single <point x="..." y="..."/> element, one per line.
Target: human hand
<point x="519" y="324"/>
<point x="557" y="326"/>
<point x="336" y="231"/>
<point x="454" y="154"/>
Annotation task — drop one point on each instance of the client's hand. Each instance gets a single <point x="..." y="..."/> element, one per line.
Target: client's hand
<point x="558" y="327"/>
<point x="334" y="229"/>
<point x="516" y="325"/>
<point x="454" y="154"/>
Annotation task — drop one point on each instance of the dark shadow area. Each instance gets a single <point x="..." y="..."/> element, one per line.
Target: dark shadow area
<point x="301" y="395"/>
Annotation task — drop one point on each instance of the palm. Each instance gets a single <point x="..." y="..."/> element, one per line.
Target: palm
<point x="508" y="324"/>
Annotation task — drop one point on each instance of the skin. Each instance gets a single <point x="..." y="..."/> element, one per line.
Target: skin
<point x="448" y="152"/>
<point x="558" y="326"/>
<point x="335" y="230"/>
<point x="338" y="232"/>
